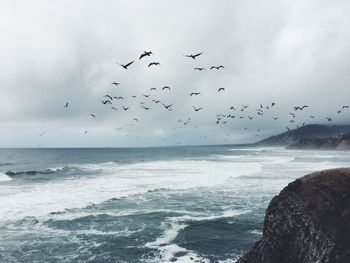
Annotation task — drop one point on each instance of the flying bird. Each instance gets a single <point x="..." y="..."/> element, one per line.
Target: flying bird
<point x="105" y="102"/>
<point x="154" y="64"/>
<point x="66" y="106"/>
<point x="345" y="107"/>
<point x="193" y="56"/>
<point x="145" y="54"/>
<point x="115" y="83"/>
<point x="146" y="108"/>
<point x="125" y="108"/>
<point x="126" y="65"/>
<point x="221" y="89"/>
<point x="145" y="95"/>
<point x="42" y="134"/>
<point x="114" y="108"/>
<point x="108" y="96"/>
<point x="167" y="106"/>
<point x="200" y="69"/>
<point x="153" y="89"/>
<point x="197" y="109"/>
<point x="93" y="115"/>
<point x="195" y="93"/>
<point x="156" y="101"/>
<point x="217" y="67"/>
<point x="166" y="87"/>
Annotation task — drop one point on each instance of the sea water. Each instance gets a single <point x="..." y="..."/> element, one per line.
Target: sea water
<point x="183" y="204"/>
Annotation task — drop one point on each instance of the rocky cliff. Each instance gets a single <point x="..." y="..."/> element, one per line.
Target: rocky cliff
<point x="340" y="143"/>
<point x="308" y="222"/>
<point x="312" y="131"/>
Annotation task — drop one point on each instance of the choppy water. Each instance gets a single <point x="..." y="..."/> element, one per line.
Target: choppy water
<point x="183" y="204"/>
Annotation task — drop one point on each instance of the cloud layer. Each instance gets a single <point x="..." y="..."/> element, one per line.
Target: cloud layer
<point x="288" y="52"/>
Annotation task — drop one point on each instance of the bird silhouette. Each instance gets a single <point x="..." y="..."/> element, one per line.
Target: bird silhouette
<point x="145" y="54"/>
<point x="146" y="108"/>
<point x="66" y="106"/>
<point x="329" y="119"/>
<point x="221" y="89"/>
<point x="125" y="108"/>
<point x="193" y="56"/>
<point x="114" y="108"/>
<point x="115" y="83"/>
<point x="154" y="64"/>
<point x="126" y="65"/>
<point x="145" y="95"/>
<point x="199" y="69"/>
<point x="105" y="102"/>
<point x="217" y="67"/>
<point x="108" y="96"/>
<point x="197" y="109"/>
<point x="167" y="106"/>
<point x="156" y="101"/>
<point x="166" y="87"/>
<point x="93" y="115"/>
<point x="345" y="107"/>
<point x="153" y="89"/>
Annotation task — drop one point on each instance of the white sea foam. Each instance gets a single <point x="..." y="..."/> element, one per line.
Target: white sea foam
<point x="4" y="177"/>
<point x="112" y="181"/>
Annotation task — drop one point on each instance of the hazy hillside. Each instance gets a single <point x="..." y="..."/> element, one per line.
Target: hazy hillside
<point x="312" y="131"/>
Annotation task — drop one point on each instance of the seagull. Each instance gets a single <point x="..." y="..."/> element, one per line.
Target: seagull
<point x="119" y="98"/>
<point x="305" y="106"/>
<point x="168" y="107"/>
<point x="312" y="116"/>
<point x="114" y="108"/>
<point x="345" y="107"/>
<point x="197" y="109"/>
<point x="93" y="115"/>
<point x="66" y="106"/>
<point x="125" y="108"/>
<point x="329" y="119"/>
<point x="232" y="108"/>
<point x="108" y="96"/>
<point x="273" y="104"/>
<point x="166" y="87"/>
<point x="156" y="101"/>
<point x="200" y="69"/>
<point x="42" y="134"/>
<point x="195" y="93"/>
<point x="145" y="95"/>
<point x="153" y="89"/>
<point x="135" y="119"/>
<point x="146" y="108"/>
<point x="86" y="132"/>
<point x="339" y="111"/>
<point x="115" y="83"/>
<point x="193" y="56"/>
<point x="126" y="65"/>
<point x="154" y="64"/>
<point x="145" y="54"/>
<point x="106" y="102"/>
<point x="217" y="67"/>
<point x="221" y="89"/>
<point x="275" y="118"/>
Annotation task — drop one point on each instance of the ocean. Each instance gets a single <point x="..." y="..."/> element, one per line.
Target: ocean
<point x="166" y="204"/>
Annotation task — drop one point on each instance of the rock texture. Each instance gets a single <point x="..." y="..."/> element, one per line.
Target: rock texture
<point x="308" y="222"/>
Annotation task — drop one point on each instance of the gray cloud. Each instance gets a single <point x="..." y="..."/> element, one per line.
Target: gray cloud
<point x="289" y="52"/>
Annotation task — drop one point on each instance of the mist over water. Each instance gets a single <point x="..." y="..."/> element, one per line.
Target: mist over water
<point x="142" y="204"/>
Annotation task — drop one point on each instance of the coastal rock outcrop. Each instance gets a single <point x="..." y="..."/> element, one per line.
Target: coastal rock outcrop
<point x="309" y="221"/>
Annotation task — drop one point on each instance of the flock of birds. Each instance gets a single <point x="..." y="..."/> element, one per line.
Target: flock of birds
<point x="145" y="101"/>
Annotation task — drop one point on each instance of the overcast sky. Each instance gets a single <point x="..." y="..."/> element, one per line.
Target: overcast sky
<point x="283" y="51"/>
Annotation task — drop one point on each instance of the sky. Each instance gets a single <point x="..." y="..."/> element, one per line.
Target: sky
<point x="289" y="52"/>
